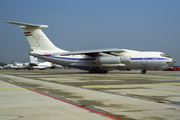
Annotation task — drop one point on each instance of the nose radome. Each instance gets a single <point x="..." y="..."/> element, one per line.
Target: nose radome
<point x="173" y="61"/>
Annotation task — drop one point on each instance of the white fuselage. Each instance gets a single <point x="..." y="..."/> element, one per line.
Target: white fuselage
<point x="139" y="60"/>
<point x="95" y="61"/>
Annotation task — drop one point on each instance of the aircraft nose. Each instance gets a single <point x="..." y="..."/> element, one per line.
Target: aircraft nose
<point x="173" y="61"/>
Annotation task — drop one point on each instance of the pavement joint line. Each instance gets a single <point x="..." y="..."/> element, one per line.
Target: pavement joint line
<point x="100" y="86"/>
<point x="94" y="110"/>
<point x="12" y="88"/>
<point x="134" y="85"/>
<point x="40" y="87"/>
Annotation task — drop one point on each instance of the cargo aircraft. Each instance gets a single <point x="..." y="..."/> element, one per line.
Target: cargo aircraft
<point x="94" y="61"/>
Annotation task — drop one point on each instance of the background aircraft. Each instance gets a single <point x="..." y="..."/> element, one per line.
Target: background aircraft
<point x="34" y="64"/>
<point x="15" y="65"/>
<point x="94" y="61"/>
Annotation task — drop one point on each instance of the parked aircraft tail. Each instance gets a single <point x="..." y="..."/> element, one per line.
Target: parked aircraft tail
<point x="33" y="59"/>
<point x="36" y="38"/>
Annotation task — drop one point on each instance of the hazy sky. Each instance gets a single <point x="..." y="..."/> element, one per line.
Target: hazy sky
<point x="144" y="25"/>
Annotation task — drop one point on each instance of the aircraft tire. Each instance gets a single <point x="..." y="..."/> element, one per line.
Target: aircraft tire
<point x="98" y="71"/>
<point x="105" y="71"/>
<point x="143" y="71"/>
<point x="92" y="71"/>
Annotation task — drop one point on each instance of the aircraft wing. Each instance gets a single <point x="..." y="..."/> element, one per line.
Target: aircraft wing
<point x="92" y="53"/>
<point x="95" y="51"/>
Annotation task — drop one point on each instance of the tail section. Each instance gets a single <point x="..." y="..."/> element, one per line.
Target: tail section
<point x="33" y="59"/>
<point x="36" y="38"/>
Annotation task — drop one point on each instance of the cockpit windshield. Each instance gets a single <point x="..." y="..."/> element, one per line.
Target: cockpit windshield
<point x="164" y="55"/>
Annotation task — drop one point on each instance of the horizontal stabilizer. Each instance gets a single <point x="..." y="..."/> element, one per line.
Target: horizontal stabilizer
<point x="36" y="38"/>
<point x="27" y="24"/>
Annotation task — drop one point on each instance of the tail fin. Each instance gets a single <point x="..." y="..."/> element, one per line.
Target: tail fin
<point x="36" y="38"/>
<point x="33" y="59"/>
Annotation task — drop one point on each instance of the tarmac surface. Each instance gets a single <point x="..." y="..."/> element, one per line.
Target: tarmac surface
<point x="70" y="94"/>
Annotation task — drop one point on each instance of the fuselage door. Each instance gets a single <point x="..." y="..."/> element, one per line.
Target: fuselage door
<point x="144" y="61"/>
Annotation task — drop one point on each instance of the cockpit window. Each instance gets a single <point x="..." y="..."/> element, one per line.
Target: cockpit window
<point x="164" y="55"/>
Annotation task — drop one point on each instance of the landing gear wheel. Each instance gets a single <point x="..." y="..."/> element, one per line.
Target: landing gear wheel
<point x="105" y="71"/>
<point x="91" y="71"/>
<point x="143" y="71"/>
<point x="98" y="71"/>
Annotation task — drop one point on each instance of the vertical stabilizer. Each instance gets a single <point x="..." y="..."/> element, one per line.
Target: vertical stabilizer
<point x="33" y="59"/>
<point x="36" y="38"/>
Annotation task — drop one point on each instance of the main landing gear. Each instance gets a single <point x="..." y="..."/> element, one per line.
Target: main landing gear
<point x="98" y="71"/>
<point x="143" y="71"/>
<point x="30" y="69"/>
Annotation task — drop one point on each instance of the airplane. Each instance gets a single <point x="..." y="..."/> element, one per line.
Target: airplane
<point x="57" y="66"/>
<point x="15" y="65"/>
<point x="94" y="61"/>
<point x="8" y="66"/>
<point x="34" y="64"/>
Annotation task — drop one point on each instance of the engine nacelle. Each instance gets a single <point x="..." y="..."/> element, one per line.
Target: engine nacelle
<point x="125" y="59"/>
<point x="108" y="60"/>
<point x="113" y="60"/>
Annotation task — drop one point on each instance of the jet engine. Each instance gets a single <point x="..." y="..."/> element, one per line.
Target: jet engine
<point x="125" y="59"/>
<point x="113" y="60"/>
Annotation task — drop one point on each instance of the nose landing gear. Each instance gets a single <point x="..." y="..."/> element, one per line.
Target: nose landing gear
<point x="143" y="71"/>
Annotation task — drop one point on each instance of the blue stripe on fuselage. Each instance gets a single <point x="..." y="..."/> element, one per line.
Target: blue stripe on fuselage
<point x="94" y="58"/>
<point x="65" y="58"/>
<point x="150" y="59"/>
<point x="72" y="58"/>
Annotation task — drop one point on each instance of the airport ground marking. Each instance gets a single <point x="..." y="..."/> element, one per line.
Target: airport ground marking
<point x="63" y="100"/>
